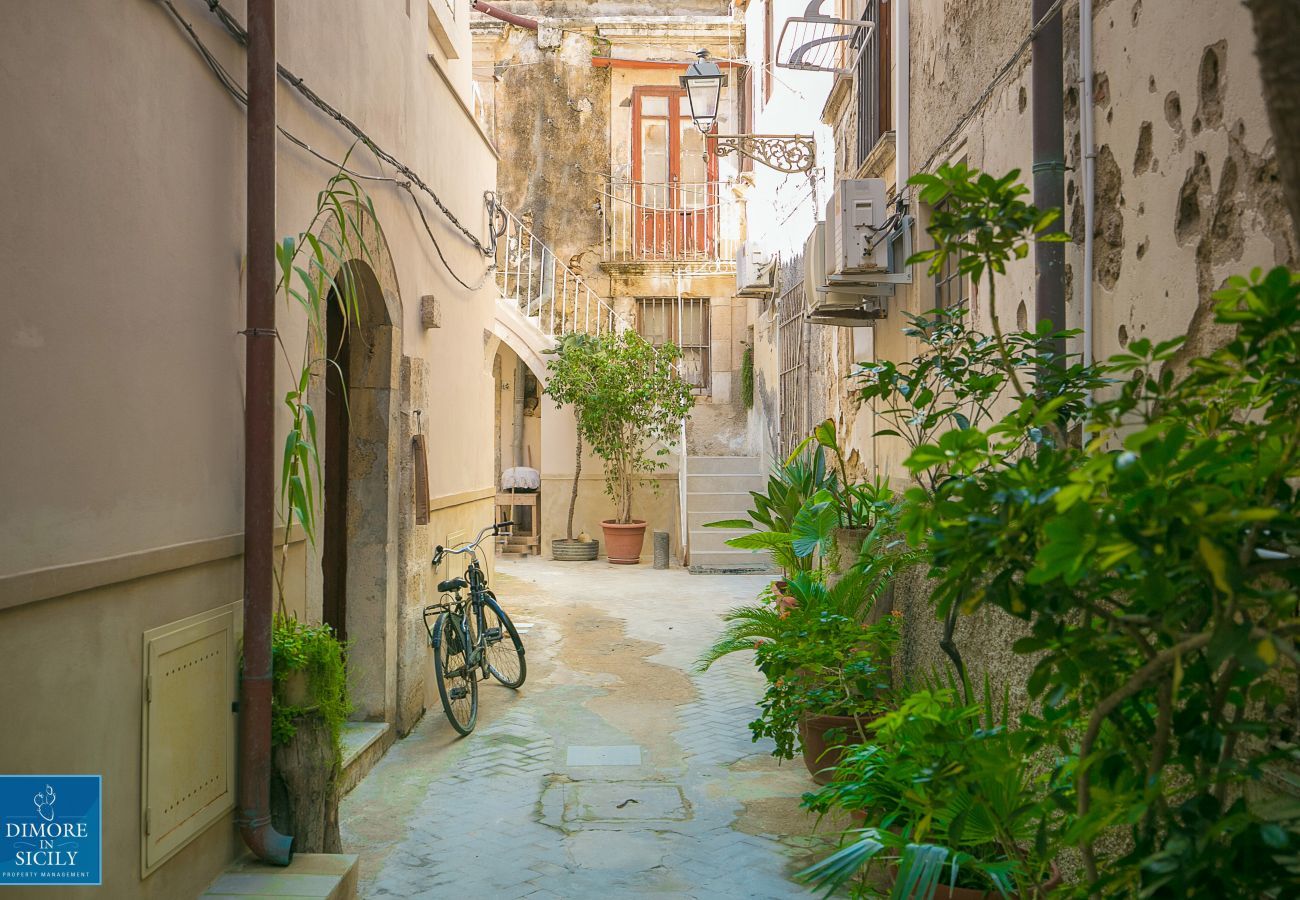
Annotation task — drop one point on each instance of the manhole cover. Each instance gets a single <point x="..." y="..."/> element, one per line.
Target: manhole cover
<point x="622" y="801"/>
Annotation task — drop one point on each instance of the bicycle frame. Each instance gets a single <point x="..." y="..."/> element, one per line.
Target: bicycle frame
<point x="475" y="656"/>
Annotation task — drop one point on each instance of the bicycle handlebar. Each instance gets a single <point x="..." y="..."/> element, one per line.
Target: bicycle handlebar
<point x="440" y="551"/>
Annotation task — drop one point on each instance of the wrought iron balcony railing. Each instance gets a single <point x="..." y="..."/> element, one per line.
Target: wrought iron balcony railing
<point x="675" y="222"/>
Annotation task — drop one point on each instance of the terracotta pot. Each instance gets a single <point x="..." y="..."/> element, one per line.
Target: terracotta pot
<point x="943" y="892"/>
<point x="623" y="542"/>
<point x="820" y="755"/>
<point x="297" y="691"/>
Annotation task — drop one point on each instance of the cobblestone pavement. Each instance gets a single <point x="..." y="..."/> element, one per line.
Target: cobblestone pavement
<point x="615" y="771"/>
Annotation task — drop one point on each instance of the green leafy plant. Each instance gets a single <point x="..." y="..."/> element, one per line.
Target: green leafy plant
<point x="747" y="377"/>
<point x="844" y="503"/>
<point x="629" y="401"/>
<point x="952" y="795"/>
<point x="312" y="651"/>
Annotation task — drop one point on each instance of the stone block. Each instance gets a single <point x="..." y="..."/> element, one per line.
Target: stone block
<point x="430" y="312"/>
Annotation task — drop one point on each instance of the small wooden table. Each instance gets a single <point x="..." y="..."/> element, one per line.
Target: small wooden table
<point x="521" y="541"/>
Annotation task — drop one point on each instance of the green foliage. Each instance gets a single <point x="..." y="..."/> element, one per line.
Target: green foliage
<point x="312" y="650"/>
<point x="747" y="378"/>
<point x="956" y="797"/>
<point x="629" y="402"/>
<point x="851" y="504"/>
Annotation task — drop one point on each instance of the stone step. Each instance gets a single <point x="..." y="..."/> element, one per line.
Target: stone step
<point x="724" y="465"/>
<point x="708" y="539"/>
<point x="364" y="743"/>
<point x="724" y="504"/>
<point x="700" y="518"/>
<point x="309" y="876"/>
<point x="722" y="483"/>
<point x="729" y="560"/>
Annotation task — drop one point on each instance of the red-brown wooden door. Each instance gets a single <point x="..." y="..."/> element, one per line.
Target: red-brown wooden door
<point x="674" y="190"/>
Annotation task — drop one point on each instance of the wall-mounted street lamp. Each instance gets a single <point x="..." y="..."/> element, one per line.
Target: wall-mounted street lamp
<point x="703" y="83"/>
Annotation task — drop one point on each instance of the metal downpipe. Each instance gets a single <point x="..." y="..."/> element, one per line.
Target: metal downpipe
<point x="1048" y="93"/>
<point x="259" y="440"/>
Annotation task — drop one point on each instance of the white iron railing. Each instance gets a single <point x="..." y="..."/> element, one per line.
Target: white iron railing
<point x="676" y="222"/>
<point x="547" y="291"/>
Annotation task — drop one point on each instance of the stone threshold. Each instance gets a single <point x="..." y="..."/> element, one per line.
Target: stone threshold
<point x="310" y="876"/>
<point x="364" y="744"/>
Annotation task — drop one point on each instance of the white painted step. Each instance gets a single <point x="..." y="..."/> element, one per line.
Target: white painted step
<point x="696" y="519"/>
<point x="706" y="539"/>
<point x="729" y="559"/>
<point x="722" y="505"/>
<point x="724" y="465"/>
<point x="712" y="484"/>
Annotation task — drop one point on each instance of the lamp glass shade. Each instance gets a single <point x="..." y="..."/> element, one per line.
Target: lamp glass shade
<point x="703" y="82"/>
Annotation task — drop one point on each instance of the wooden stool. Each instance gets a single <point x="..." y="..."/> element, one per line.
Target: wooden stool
<point x="520" y="540"/>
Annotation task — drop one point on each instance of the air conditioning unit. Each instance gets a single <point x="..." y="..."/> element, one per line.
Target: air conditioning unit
<point x="855" y="306"/>
<point x="866" y="245"/>
<point x="754" y="272"/>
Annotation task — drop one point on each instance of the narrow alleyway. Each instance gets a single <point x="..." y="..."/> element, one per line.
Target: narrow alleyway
<point x="615" y="771"/>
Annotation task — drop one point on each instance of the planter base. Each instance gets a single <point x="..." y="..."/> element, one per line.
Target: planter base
<point x="564" y="550"/>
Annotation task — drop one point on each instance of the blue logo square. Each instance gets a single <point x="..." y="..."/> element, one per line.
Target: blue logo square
<point x="51" y="829"/>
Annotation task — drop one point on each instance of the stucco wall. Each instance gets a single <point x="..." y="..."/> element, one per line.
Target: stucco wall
<point x="123" y="360"/>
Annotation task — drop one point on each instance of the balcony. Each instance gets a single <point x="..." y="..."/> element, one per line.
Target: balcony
<point x="696" y="224"/>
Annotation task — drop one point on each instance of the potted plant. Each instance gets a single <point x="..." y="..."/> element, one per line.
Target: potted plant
<point x="569" y="548"/>
<point x="309" y="704"/>
<point x="629" y="402"/>
<point x="957" y="804"/>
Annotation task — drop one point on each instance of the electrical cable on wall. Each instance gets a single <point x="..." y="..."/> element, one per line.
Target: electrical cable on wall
<point x="240" y="95"/>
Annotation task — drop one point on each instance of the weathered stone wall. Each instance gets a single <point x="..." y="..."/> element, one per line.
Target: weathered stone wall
<point x="1186" y="194"/>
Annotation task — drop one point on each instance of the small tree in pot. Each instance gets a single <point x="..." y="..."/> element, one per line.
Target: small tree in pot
<point x="627" y="397"/>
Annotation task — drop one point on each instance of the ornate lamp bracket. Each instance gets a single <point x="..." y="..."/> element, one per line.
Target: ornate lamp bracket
<point x="790" y="153"/>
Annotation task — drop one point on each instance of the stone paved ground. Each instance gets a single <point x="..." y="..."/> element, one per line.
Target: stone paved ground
<point x="518" y="810"/>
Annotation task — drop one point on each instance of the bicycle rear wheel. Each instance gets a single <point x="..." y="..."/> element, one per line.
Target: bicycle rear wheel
<point x="503" y="650"/>
<point x="457" y="680"/>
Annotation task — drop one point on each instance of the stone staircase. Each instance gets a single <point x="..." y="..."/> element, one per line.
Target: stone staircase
<point x="717" y="487"/>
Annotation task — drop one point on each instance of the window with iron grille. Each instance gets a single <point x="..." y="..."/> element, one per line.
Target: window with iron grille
<point x="685" y="322"/>
<point x="949" y="281"/>
<point x="872" y="78"/>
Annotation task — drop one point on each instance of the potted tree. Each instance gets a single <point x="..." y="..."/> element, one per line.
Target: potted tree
<point x="569" y="548"/>
<point x="629" y="402"/>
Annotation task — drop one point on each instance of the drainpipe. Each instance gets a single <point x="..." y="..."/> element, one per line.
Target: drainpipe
<point x="488" y="9"/>
<point x="1088" y="146"/>
<point x="259" y="439"/>
<point x="902" y="51"/>
<point x="520" y="368"/>
<point x="1048" y="89"/>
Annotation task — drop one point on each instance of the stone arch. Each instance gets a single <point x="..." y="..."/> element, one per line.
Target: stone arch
<point x="352" y="572"/>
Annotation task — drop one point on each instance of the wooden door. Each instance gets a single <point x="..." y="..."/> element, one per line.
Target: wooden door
<point x="674" y="187"/>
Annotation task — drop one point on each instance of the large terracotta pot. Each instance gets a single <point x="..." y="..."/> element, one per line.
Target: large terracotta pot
<point x="820" y="755"/>
<point x="623" y="542"/>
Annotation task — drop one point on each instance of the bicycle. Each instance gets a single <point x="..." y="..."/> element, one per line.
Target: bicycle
<point x="469" y="636"/>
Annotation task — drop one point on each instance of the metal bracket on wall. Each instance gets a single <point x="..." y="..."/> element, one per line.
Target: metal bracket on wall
<point x="790" y="153"/>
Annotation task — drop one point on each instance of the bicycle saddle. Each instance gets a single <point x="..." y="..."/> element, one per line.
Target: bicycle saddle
<point x="452" y="584"/>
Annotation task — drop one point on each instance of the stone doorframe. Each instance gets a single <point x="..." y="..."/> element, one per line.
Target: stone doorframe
<point x="375" y="405"/>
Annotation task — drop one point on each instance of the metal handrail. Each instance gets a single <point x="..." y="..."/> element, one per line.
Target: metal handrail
<point x="696" y="222"/>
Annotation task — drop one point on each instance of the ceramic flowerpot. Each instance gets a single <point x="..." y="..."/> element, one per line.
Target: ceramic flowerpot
<point x="820" y="754"/>
<point x="574" y="550"/>
<point x="623" y="542"/>
<point x="944" y="892"/>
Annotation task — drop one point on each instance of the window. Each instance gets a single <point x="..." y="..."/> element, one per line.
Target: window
<point x="769" y="47"/>
<point x="663" y="320"/>
<point x="674" y="185"/>
<point x="745" y="110"/>
<point x="872" y="77"/>
<point x="950" y="281"/>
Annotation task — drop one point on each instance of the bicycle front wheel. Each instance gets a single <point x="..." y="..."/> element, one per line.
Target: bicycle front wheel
<point x="503" y="649"/>
<point x="457" y="681"/>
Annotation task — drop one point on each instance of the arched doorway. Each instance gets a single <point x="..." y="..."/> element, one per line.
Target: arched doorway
<point x="359" y="532"/>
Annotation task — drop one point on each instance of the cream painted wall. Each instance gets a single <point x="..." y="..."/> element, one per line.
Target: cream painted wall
<point x="122" y="360"/>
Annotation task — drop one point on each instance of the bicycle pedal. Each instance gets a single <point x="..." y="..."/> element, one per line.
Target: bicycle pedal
<point x="459" y="693"/>
<point x="492" y="634"/>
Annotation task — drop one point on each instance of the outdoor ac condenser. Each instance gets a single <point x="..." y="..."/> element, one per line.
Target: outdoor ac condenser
<point x="753" y="272"/>
<point x="854" y="307"/>
<point x="856" y="217"/>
